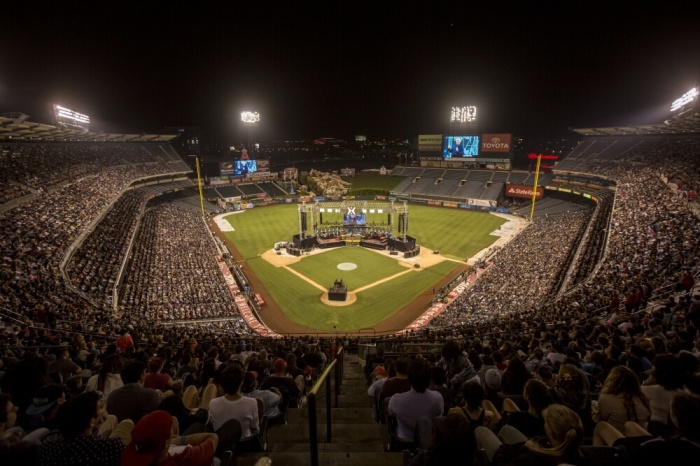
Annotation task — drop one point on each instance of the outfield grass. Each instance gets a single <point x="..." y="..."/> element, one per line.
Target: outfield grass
<point x="382" y="183"/>
<point x="371" y="267"/>
<point x="456" y="233"/>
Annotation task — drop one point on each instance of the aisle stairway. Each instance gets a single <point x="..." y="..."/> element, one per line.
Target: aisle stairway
<point x="356" y="438"/>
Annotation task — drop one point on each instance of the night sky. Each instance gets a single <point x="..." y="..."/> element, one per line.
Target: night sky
<point x="334" y="68"/>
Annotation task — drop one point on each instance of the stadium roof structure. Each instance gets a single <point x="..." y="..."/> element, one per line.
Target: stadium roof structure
<point x="15" y="129"/>
<point x="687" y="124"/>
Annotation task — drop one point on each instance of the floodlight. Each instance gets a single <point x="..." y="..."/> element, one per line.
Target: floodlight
<point x="250" y="117"/>
<point x="463" y="114"/>
<point x="684" y="100"/>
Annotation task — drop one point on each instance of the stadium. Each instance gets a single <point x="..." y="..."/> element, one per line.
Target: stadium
<point x="115" y="228"/>
<point x="349" y="234"/>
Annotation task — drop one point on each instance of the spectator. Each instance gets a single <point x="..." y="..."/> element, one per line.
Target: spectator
<point x="280" y="380"/>
<point x="125" y="342"/>
<point x="132" y="401"/>
<point x="573" y="391"/>
<point x="47" y="400"/>
<point x="77" y="445"/>
<point x="12" y="450"/>
<point x="515" y="377"/>
<point x="530" y="422"/>
<point x="155" y="379"/>
<point x="398" y="384"/>
<point x="564" y="434"/>
<point x="621" y="399"/>
<point x="233" y="405"/>
<point x="419" y="402"/>
<point x="453" y="444"/>
<point x="152" y="443"/>
<point x="473" y="396"/>
<point x="271" y="398"/>
<point x="64" y="366"/>
<point x="108" y="377"/>
<point x="664" y="382"/>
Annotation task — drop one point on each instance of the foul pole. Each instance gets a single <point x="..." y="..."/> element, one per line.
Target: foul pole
<point x="199" y="183"/>
<point x="534" y="187"/>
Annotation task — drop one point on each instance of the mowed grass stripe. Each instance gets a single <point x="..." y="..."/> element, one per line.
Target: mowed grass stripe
<point x="371" y="267"/>
<point x="456" y="233"/>
<point x="257" y="230"/>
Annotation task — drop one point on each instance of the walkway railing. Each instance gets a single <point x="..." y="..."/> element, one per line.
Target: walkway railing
<point x="336" y="365"/>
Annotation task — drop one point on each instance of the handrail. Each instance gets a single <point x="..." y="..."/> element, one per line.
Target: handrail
<point x="336" y="364"/>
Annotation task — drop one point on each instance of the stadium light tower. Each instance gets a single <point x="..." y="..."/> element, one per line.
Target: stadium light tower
<point x="463" y="119"/>
<point x="250" y="121"/>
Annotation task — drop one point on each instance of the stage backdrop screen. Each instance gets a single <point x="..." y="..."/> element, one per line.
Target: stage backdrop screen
<point x="460" y="146"/>
<point x="352" y="218"/>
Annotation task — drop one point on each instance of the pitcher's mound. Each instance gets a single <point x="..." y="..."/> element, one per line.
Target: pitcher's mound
<point x="352" y="297"/>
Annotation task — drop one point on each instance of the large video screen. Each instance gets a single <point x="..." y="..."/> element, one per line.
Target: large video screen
<point x="243" y="167"/>
<point x="460" y="146"/>
<point x="352" y="218"/>
<point x="238" y="167"/>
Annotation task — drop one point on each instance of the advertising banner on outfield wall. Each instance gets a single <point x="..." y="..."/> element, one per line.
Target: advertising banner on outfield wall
<point x="450" y="204"/>
<point x="429" y="142"/>
<point x="435" y="203"/>
<point x="496" y="143"/>
<point x="516" y="190"/>
<point x="481" y="203"/>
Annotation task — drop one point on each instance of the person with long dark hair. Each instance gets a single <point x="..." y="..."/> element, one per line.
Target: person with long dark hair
<point x="77" y="445"/>
<point x="107" y="378"/>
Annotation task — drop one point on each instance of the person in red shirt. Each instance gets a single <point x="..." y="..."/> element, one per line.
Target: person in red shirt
<point x="615" y="303"/>
<point x="152" y="443"/>
<point x="688" y="281"/>
<point x="155" y="379"/>
<point x="124" y="342"/>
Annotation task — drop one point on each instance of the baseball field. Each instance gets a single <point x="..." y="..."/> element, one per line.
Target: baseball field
<point x="379" y="285"/>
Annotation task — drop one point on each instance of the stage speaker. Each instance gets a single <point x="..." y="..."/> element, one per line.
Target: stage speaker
<point x="303" y="221"/>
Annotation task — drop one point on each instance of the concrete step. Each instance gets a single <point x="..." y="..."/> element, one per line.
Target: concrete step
<point x="325" y="459"/>
<point x="339" y="415"/>
<point x="354" y="399"/>
<point x="342" y="431"/>
<point x="328" y="447"/>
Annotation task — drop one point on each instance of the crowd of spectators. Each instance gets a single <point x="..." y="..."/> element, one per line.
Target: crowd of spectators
<point x="88" y="409"/>
<point x="506" y="331"/>
<point x="95" y="265"/>
<point x="172" y="274"/>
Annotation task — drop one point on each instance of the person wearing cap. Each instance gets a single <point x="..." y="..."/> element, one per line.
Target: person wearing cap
<point x="271" y="398"/>
<point x="233" y="405"/>
<point x="77" y="445"/>
<point x="45" y="403"/>
<point x="152" y="443"/>
<point x="281" y="381"/>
